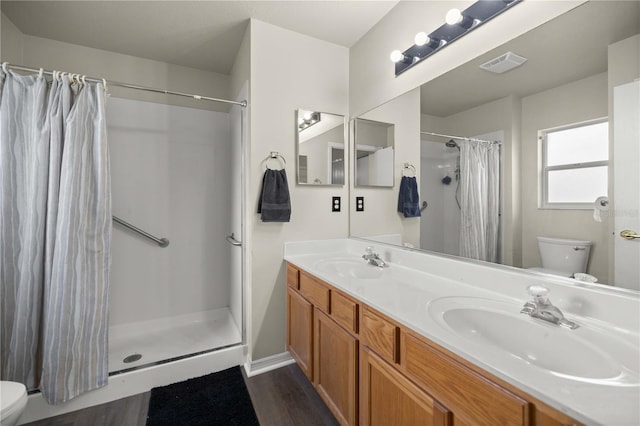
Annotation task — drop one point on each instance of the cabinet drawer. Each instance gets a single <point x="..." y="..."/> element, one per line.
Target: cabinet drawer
<point x="472" y="398"/>
<point x="314" y="291"/>
<point x="380" y="335"/>
<point x="344" y="311"/>
<point x="293" y="277"/>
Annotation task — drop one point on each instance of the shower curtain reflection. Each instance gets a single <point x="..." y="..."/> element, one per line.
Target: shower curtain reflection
<point x="479" y="200"/>
<point x="460" y="180"/>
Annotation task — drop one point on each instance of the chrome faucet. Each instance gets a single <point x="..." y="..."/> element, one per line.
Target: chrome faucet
<point x="373" y="258"/>
<point x="541" y="307"/>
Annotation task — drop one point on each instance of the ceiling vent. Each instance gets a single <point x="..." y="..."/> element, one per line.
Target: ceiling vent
<point x="503" y="63"/>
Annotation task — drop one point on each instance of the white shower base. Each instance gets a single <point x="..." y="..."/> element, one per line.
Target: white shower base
<point x="168" y="338"/>
<point x="156" y="341"/>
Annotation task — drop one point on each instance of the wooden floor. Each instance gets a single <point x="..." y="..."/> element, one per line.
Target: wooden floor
<point x="282" y="397"/>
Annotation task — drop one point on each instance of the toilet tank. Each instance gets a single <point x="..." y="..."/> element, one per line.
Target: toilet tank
<point x="563" y="255"/>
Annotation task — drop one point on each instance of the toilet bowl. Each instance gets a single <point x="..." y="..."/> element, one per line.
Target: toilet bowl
<point x="562" y="256"/>
<point x="13" y="400"/>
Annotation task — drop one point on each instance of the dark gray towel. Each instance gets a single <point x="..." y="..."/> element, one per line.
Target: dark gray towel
<point x="274" y="204"/>
<point x="408" y="199"/>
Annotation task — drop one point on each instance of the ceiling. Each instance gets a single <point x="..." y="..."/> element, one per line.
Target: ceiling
<point x="568" y="48"/>
<point x="198" y="34"/>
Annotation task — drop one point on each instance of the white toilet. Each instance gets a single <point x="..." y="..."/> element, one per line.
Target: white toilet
<point x="13" y="400"/>
<point x="563" y="257"/>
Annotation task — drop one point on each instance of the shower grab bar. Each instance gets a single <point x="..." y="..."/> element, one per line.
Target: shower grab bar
<point x="162" y="242"/>
<point x="232" y="240"/>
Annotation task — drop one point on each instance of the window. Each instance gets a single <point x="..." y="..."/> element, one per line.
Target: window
<point x="575" y="163"/>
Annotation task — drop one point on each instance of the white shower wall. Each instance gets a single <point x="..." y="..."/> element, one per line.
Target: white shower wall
<point x="170" y="170"/>
<point x="440" y="222"/>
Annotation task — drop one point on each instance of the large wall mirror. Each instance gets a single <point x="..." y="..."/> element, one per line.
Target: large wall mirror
<point x="574" y="65"/>
<point x="320" y="149"/>
<point x="373" y="152"/>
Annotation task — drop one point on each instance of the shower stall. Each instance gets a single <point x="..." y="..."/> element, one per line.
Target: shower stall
<point x="176" y="284"/>
<point x="171" y="171"/>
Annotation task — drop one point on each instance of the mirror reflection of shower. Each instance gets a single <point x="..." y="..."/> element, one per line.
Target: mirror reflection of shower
<point x="453" y="144"/>
<point x="441" y="186"/>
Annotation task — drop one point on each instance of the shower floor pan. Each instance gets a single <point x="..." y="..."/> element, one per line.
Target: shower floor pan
<point x="137" y="344"/>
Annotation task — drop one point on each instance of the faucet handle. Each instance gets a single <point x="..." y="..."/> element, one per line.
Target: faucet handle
<point x="369" y="250"/>
<point x="539" y="293"/>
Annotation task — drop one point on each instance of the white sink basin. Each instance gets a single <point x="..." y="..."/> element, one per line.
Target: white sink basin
<point x="349" y="267"/>
<point x="586" y="354"/>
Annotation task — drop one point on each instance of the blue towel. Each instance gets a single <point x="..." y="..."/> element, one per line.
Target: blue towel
<point x="408" y="199"/>
<point x="274" y="204"/>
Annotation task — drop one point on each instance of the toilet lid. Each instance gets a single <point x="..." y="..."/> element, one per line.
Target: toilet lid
<point x="550" y="272"/>
<point x="12" y="394"/>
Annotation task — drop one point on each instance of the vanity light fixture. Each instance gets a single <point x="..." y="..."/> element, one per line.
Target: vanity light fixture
<point x="457" y="24"/>
<point x="308" y="119"/>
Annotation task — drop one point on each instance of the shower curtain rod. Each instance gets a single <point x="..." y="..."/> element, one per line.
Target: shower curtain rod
<point x="460" y="138"/>
<point x="132" y="86"/>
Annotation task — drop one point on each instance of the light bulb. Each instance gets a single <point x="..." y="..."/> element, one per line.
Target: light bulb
<point x="454" y="16"/>
<point x="307" y="115"/>
<point x="421" y="39"/>
<point x="396" y="56"/>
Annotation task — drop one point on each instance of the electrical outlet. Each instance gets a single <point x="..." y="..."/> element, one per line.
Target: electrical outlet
<point x="359" y="204"/>
<point x="335" y="204"/>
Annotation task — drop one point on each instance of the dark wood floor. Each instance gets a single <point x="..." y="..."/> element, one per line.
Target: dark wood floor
<point x="282" y="397"/>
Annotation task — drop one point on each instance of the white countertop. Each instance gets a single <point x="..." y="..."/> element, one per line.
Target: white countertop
<point x="414" y="279"/>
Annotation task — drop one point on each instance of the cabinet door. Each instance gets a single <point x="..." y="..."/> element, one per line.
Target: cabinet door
<point x="300" y="331"/>
<point x="388" y="398"/>
<point x="336" y="368"/>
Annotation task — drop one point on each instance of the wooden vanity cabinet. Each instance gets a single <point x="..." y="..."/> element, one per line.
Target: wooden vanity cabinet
<point x="371" y="370"/>
<point x="322" y="327"/>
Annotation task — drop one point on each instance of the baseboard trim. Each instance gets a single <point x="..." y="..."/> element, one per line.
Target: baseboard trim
<point x="263" y="365"/>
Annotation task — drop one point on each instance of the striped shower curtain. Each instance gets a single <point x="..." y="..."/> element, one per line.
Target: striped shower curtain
<point x="55" y="224"/>
<point x="479" y="200"/>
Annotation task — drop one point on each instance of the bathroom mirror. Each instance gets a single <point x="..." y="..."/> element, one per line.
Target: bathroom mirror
<point x="320" y="149"/>
<point x="567" y="78"/>
<point x="373" y="163"/>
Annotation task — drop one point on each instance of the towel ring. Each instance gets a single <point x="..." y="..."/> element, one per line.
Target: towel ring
<point x="408" y="168"/>
<point x="277" y="156"/>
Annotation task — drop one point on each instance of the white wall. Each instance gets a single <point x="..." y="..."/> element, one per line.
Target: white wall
<point x="380" y="215"/>
<point x="11" y="42"/>
<point x="372" y="80"/>
<point x="169" y="171"/>
<point x="288" y="71"/>
<point x="50" y="54"/>
<point x="575" y="102"/>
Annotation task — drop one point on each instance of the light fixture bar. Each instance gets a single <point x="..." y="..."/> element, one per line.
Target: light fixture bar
<point x="457" y="24"/>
